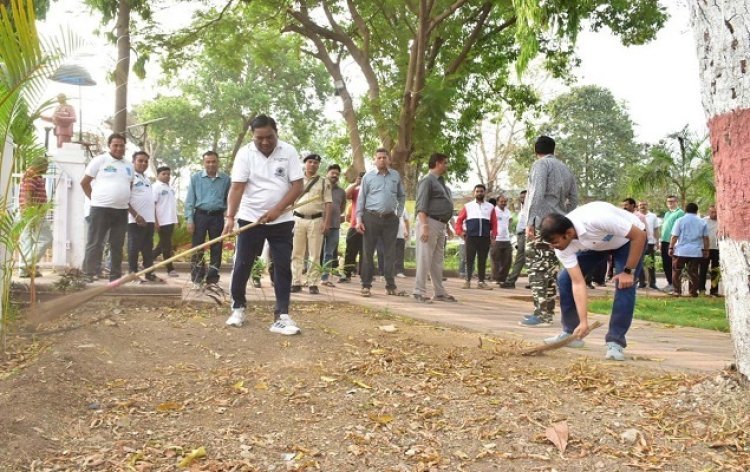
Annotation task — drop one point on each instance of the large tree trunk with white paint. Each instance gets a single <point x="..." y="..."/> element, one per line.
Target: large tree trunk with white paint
<point x="722" y="32"/>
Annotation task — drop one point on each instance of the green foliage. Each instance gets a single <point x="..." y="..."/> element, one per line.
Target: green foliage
<point x="232" y="72"/>
<point x="701" y="312"/>
<point x="680" y="165"/>
<point x="594" y="137"/>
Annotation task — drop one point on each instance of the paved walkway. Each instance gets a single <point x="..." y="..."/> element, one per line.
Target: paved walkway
<point x="497" y="312"/>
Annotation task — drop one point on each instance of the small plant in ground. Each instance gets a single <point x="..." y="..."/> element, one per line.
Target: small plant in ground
<point x="72" y="280"/>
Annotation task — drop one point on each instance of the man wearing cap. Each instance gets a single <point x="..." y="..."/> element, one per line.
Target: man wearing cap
<point x="311" y="221"/>
<point x="266" y="180"/>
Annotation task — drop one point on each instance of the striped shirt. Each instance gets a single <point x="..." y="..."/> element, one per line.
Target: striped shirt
<point x="551" y="189"/>
<point x="33" y="191"/>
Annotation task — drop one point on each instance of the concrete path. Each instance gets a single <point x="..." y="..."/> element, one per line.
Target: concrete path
<point x="498" y="312"/>
<point x="495" y="312"/>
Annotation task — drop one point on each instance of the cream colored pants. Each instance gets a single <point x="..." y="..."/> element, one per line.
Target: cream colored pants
<point x="308" y="240"/>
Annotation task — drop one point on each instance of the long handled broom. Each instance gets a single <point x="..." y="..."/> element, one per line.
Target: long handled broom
<point x="52" y="309"/>
<point x="556" y="345"/>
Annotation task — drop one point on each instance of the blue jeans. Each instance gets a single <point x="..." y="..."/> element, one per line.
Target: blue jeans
<point x="624" y="303"/>
<point x="248" y="250"/>
<point x="330" y="244"/>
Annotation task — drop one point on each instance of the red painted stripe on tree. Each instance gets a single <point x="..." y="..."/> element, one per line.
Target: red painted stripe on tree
<point x="730" y="142"/>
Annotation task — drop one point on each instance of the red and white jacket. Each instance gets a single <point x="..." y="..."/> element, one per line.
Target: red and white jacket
<point x="479" y="218"/>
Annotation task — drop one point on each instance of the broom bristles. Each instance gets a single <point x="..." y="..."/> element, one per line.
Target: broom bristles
<point x="51" y="309"/>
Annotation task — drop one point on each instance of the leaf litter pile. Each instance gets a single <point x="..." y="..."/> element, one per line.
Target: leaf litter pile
<point x="170" y="388"/>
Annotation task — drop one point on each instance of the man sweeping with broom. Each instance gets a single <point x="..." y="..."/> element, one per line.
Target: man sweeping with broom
<point x="582" y="240"/>
<point x="266" y="180"/>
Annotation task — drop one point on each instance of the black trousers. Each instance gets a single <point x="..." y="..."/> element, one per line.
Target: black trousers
<point x="666" y="262"/>
<point x="353" y="250"/>
<point x="713" y="260"/>
<point x="165" y="244"/>
<point x="140" y="240"/>
<point x="211" y="226"/>
<point x="477" y="246"/>
<point x="377" y="227"/>
<point x="400" y="254"/>
<point x="101" y="222"/>
<point x="249" y="248"/>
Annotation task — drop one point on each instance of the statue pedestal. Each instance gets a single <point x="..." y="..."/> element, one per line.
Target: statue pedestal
<point x="69" y="227"/>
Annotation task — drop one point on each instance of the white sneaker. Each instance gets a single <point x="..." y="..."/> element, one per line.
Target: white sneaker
<point x="576" y="344"/>
<point x="238" y="317"/>
<point x="615" y="352"/>
<point x="401" y="275"/>
<point x="285" y="325"/>
<point x="173" y="273"/>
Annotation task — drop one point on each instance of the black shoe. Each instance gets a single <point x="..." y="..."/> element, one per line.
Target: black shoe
<point x="256" y="283"/>
<point x="643" y="286"/>
<point x="296" y="288"/>
<point x="314" y="290"/>
<point x="151" y="277"/>
<point x="507" y="285"/>
<point x="527" y="287"/>
<point x="345" y="280"/>
<point x="590" y="285"/>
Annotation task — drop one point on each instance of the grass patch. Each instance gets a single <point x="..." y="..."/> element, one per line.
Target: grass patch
<point x="701" y="312"/>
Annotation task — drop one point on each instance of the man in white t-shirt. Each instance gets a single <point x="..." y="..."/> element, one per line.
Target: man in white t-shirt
<point x="501" y="252"/>
<point x="652" y="232"/>
<point x="166" y="215"/>
<point x="106" y="182"/>
<point x="402" y="237"/>
<point x="141" y="218"/>
<point x="582" y="240"/>
<point x="266" y="180"/>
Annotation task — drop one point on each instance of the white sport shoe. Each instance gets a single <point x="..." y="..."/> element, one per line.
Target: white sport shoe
<point x="237" y="319"/>
<point x="576" y="344"/>
<point x="285" y="325"/>
<point x="615" y="352"/>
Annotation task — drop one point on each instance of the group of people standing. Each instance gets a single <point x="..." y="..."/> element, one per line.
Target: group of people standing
<point x="296" y="214"/>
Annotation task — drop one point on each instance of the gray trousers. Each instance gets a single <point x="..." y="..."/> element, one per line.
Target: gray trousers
<point x="520" y="260"/>
<point x="430" y="255"/>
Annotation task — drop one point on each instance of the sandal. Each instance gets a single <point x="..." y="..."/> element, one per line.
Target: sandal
<point x="421" y="299"/>
<point x="328" y="283"/>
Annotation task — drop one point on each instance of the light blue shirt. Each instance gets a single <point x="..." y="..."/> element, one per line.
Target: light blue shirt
<point x="382" y="193"/>
<point x="206" y="193"/>
<point x="690" y="231"/>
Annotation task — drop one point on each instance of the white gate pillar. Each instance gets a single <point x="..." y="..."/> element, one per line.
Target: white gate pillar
<point x="69" y="226"/>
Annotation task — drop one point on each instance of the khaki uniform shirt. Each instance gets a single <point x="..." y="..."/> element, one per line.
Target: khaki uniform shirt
<point x="321" y="189"/>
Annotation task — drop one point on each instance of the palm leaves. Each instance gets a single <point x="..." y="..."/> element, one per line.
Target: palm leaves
<point x="681" y="165"/>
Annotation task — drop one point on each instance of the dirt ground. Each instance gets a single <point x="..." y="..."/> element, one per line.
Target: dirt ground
<point x="163" y="387"/>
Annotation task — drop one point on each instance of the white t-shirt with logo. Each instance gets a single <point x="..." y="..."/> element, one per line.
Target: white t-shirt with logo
<point x="503" y="224"/>
<point x="142" y="199"/>
<point x="112" y="178"/>
<point x="600" y="226"/>
<point x="267" y="179"/>
<point x="166" y="203"/>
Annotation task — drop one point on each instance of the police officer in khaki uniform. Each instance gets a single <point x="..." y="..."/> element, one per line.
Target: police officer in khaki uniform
<point x="311" y="222"/>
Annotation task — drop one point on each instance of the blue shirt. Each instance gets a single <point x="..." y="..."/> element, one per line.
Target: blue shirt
<point x="382" y="193"/>
<point x="206" y="193"/>
<point x="690" y="231"/>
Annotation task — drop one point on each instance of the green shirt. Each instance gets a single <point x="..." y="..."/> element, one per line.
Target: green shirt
<point x="670" y="217"/>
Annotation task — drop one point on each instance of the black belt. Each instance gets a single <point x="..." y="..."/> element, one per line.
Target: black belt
<point x="442" y="220"/>
<point x="308" y="217"/>
<point x="198" y="211"/>
<point x="386" y="214"/>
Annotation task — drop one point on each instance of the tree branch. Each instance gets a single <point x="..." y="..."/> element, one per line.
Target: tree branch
<point x="470" y="41"/>
<point x="445" y="14"/>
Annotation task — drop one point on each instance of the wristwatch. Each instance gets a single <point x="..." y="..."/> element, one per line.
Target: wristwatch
<point x="627" y="270"/>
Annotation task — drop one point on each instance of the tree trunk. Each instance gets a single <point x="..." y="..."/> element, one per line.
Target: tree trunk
<point x="122" y="68"/>
<point x="720" y="29"/>
<point x="246" y="122"/>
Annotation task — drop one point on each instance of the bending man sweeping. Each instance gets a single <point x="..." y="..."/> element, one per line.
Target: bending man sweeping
<point x="582" y="240"/>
